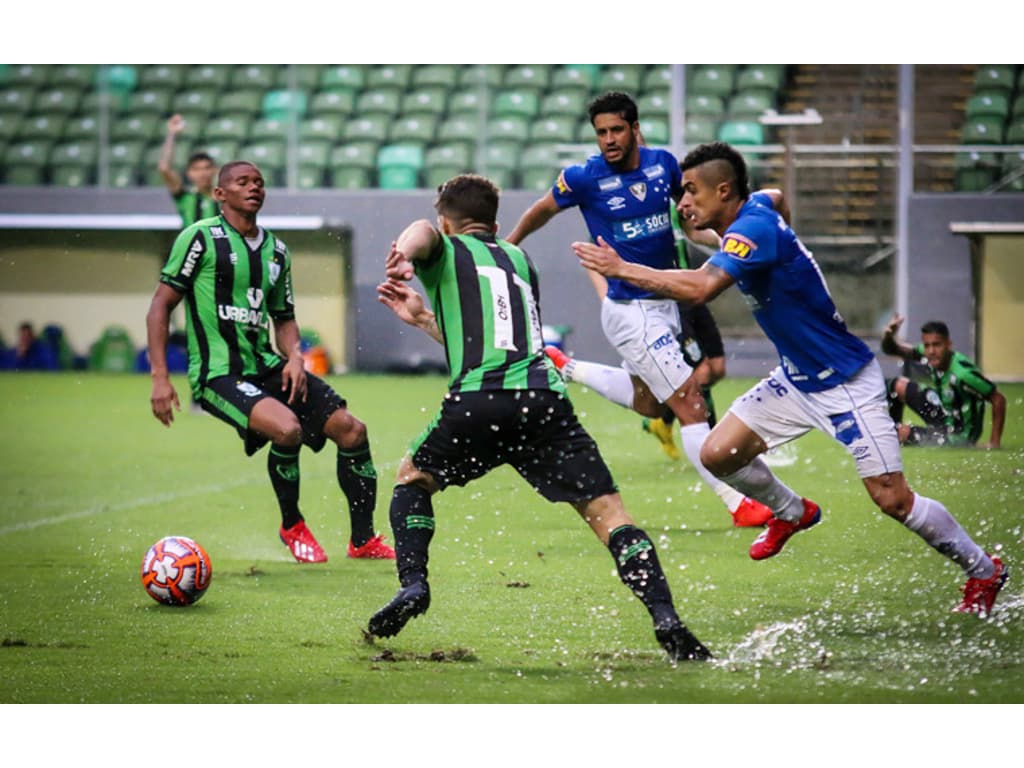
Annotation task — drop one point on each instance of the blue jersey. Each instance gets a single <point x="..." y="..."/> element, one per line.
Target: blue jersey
<point x="629" y="210"/>
<point x="782" y="284"/>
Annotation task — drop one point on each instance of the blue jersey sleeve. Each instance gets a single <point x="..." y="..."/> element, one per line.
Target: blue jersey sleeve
<point x="570" y="186"/>
<point x="749" y="245"/>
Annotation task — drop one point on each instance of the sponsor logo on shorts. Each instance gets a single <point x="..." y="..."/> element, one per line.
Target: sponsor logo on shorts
<point x="860" y="452"/>
<point x="609" y="183"/>
<point x="846" y="427"/>
<point x="662" y="341"/>
<point x="738" y="246"/>
<point x="247" y="389"/>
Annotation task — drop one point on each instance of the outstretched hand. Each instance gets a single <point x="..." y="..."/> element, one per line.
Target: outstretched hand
<point x="401" y="299"/>
<point x="176" y="124"/>
<point x="397" y="266"/>
<point x="599" y="257"/>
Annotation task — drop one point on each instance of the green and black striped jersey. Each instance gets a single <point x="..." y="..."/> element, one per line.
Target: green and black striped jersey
<point x="485" y="296"/>
<point x="963" y="390"/>
<point x="232" y="292"/>
<point x="193" y="206"/>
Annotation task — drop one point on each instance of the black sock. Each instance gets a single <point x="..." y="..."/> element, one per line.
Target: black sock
<point x="639" y="569"/>
<point x="412" y="523"/>
<point x="712" y="416"/>
<point x="667" y="415"/>
<point x="283" y="467"/>
<point x="895" y="404"/>
<point x="357" y="478"/>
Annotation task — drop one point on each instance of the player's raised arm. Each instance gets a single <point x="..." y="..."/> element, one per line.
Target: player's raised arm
<point x="163" y="399"/>
<point x="418" y="242"/>
<point x="165" y="163"/>
<point x="892" y="345"/>
<point x="535" y="217"/>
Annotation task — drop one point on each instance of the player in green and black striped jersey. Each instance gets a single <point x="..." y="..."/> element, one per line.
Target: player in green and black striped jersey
<point x="195" y="202"/>
<point x="235" y="278"/>
<point x="953" y="407"/>
<point x="506" y="405"/>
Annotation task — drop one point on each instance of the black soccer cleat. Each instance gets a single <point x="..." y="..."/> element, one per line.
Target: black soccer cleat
<point x="681" y="645"/>
<point x="409" y="602"/>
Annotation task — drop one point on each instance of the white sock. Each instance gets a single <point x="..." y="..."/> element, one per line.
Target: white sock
<point x="930" y="520"/>
<point x="758" y="482"/>
<point x="693" y="436"/>
<point x="609" y="382"/>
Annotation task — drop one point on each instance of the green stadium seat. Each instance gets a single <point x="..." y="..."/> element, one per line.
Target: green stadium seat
<point x="987" y="104"/>
<point x="123" y="176"/>
<point x="31" y="76"/>
<point x="419" y="129"/>
<point x="444" y="76"/>
<point x="553" y="129"/>
<point x="195" y="100"/>
<point x="655" y="131"/>
<point x="71" y="175"/>
<point x="302" y="77"/>
<point x="572" y="103"/>
<point x="357" y="154"/>
<point x="266" y="154"/>
<point x="195" y="124"/>
<point x="435" y="175"/>
<point x="333" y="102"/>
<point x="135" y="128"/>
<point x="575" y="77"/>
<point x="504" y="178"/>
<point x="248" y="101"/>
<point x="442" y="162"/>
<point x="16" y="100"/>
<point x="489" y="75"/>
<point x="764" y="76"/>
<point x="266" y="129"/>
<point x="621" y="77"/>
<point x="517" y="103"/>
<point x="227" y="128"/>
<point x="426" y="100"/>
<point x="113" y="352"/>
<point x="321" y="128"/>
<point x="389" y="76"/>
<point x="282" y="104"/>
<point x="704" y="104"/>
<point x="399" y="166"/>
<point x="77" y="128"/>
<point x="975" y="171"/>
<point x="163" y="76"/>
<point x="310" y="177"/>
<point x="152" y="101"/>
<point x="537" y="179"/>
<point x="653" y="104"/>
<point x="510" y="127"/>
<point x="459" y="128"/>
<point x="95" y="101"/>
<point x="982" y="130"/>
<point x="501" y="154"/>
<point x="585" y="132"/>
<point x="121" y="78"/>
<point x="213" y="77"/>
<point x="995" y="77"/>
<point x="350" y="77"/>
<point x="541" y="156"/>
<point x="712" y="80"/>
<point x="63" y="101"/>
<point x="367" y="128"/>
<point x="351" y="178"/>
<point x="378" y="101"/>
<point x="24" y="175"/>
<point x="149" y="157"/>
<point x="259" y="77"/>
<point x="656" y="78"/>
<point x="74" y="153"/>
<point x="9" y="123"/>
<point x="523" y="77"/>
<point x="33" y="153"/>
<point x="42" y="127"/>
<point x="131" y="152"/>
<point x="741" y="132"/>
<point x="312" y="153"/>
<point x="221" y="150"/>
<point x="79" y="76"/>
<point x="466" y="103"/>
<point x="1015" y="132"/>
<point x="750" y="104"/>
<point x="1017" y="110"/>
<point x="700" y="129"/>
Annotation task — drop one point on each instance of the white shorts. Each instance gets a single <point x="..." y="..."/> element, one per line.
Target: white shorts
<point x="644" y="331"/>
<point x="855" y="413"/>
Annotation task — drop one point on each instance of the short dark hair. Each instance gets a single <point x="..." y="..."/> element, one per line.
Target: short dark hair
<point x="616" y="103"/>
<point x="226" y="169"/>
<point x="468" y="197"/>
<point x="724" y="153"/>
<point x="199" y="157"/>
<point x="936" y="326"/>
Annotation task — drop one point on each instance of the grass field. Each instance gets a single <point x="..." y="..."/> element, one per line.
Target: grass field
<point x="526" y="608"/>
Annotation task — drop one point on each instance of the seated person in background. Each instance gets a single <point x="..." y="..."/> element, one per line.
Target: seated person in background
<point x="953" y="407"/>
<point x="33" y="353"/>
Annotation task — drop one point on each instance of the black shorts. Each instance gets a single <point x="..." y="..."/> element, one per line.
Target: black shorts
<point x="232" y="398"/>
<point x="535" y="431"/>
<point x="699" y="336"/>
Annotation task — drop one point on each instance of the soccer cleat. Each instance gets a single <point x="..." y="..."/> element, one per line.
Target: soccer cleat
<point x="751" y="514"/>
<point x="557" y="356"/>
<point x="980" y="594"/>
<point x="374" y="549"/>
<point x="680" y="644"/>
<point x="665" y="435"/>
<point x="409" y="602"/>
<point x="301" y="543"/>
<point x="772" y="539"/>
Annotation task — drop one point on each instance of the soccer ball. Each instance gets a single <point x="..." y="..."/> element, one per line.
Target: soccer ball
<point x="176" y="571"/>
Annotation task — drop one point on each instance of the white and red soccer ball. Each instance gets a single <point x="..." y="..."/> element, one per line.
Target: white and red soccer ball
<point x="176" y="571"/>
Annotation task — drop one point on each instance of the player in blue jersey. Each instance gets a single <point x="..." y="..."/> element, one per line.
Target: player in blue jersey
<point x="624" y="194"/>
<point x="828" y="378"/>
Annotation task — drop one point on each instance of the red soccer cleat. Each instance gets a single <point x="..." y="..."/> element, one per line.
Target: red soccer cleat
<point x="980" y="594"/>
<point x="302" y="544"/>
<point x="772" y="539"/>
<point x="557" y="356"/>
<point x="751" y="514"/>
<point x="374" y="549"/>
